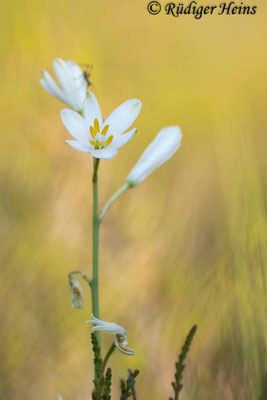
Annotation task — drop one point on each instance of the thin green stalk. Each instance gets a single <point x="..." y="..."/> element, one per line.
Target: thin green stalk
<point x="105" y="361"/>
<point x="112" y="199"/>
<point x="96" y="223"/>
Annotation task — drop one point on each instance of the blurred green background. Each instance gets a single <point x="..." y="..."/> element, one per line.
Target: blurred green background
<point x="186" y="246"/>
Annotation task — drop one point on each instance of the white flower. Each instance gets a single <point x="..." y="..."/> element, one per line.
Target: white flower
<point x="94" y="135"/>
<point x="111" y="328"/>
<point x="73" y="85"/>
<point x="160" y="150"/>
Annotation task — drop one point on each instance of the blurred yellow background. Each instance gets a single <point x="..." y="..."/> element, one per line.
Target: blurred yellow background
<point x="187" y="246"/>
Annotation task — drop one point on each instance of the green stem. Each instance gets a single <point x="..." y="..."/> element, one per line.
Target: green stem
<point x="96" y="223"/>
<point x="105" y="361"/>
<point x="112" y="199"/>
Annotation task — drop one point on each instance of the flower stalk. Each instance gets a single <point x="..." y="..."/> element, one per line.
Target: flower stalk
<point x="96" y="223"/>
<point x="109" y="353"/>
<point x="114" y="197"/>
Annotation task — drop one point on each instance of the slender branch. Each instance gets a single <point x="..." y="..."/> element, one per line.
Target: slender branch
<point x="112" y="199"/>
<point x="96" y="223"/>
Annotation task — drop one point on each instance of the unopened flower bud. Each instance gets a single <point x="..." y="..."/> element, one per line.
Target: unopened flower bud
<point x="158" y="152"/>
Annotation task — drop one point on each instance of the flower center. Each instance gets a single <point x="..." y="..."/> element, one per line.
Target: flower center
<point x="99" y="140"/>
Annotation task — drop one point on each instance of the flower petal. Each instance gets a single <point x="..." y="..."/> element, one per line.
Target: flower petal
<point x="95" y="320"/>
<point x="63" y="74"/>
<point x="124" y="138"/>
<point x="111" y="329"/>
<point x="122" y="346"/>
<point x="123" y="117"/>
<point x="75" y="71"/>
<point x="46" y="87"/>
<point x="92" y="110"/>
<point x="78" y="80"/>
<point x="75" y="124"/>
<point x="85" y="148"/>
<point x="108" y="327"/>
<point x="106" y="154"/>
<point x="70" y="77"/>
<point x="57" y="92"/>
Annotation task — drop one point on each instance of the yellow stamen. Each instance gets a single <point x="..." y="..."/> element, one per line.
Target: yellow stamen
<point x="92" y="142"/>
<point x="92" y="131"/>
<point x="96" y="126"/>
<point x="105" y="130"/>
<point x="109" y="140"/>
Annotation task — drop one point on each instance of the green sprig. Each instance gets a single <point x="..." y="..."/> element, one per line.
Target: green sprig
<point x="180" y="366"/>
<point x="128" y="387"/>
<point x="102" y="389"/>
<point x="97" y="358"/>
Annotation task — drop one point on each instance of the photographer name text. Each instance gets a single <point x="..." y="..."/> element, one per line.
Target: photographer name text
<point x="198" y="11"/>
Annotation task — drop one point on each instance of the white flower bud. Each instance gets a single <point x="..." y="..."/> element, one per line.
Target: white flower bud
<point x="72" y="89"/>
<point x="160" y="150"/>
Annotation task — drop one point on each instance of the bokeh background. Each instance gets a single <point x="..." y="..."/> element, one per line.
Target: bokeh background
<point x="187" y="246"/>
